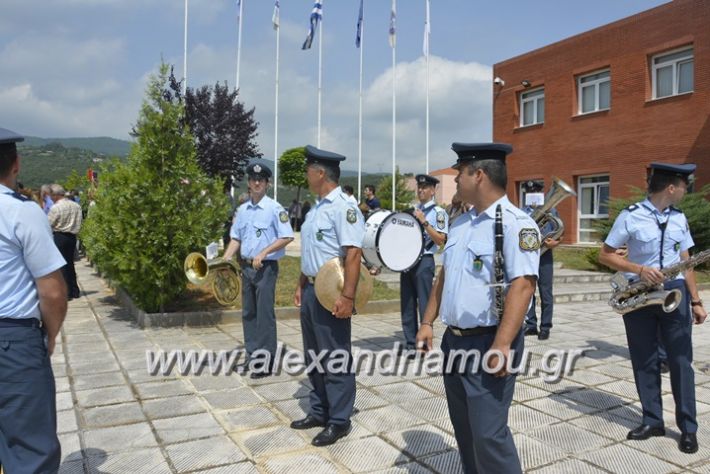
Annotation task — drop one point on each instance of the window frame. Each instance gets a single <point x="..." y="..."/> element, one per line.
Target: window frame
<point x="675" y="69"/>
<point x="596" y="83"/>
<point x="596" y="215"/>
<point x="534" y="100"/>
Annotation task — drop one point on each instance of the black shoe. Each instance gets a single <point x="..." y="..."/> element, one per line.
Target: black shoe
<point x="544" y="334"/>
<point x="688" y="443"/>
<point x="644" y="432"/>
<point x="665" y="368"/>
<point x="531" y="331"/>
<point x="306" y="423"/>
<point x="76" y="294"/>
<point x="331" y="434"/>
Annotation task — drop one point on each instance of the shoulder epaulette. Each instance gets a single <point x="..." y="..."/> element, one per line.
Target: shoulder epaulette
<point x="18" y="196"/>
<point x="632" y="208"/>
<point x="673" y="208"/>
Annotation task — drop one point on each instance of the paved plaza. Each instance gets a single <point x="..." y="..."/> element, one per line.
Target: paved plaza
<point x="114" y="417"/>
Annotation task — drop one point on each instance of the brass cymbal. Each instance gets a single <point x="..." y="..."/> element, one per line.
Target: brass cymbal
<point x="330" y="280"/>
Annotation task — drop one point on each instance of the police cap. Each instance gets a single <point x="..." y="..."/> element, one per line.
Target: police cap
<point x="425" y="179"/>
<point x="255" y="170"/>
<point x="480" y="151"/>
<point x="681" y="171"/>
<point x="317" y="156"/>
<point x="8" y="136"/>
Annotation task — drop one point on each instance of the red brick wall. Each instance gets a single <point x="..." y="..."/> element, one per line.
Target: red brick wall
<point x="636" y="130"/>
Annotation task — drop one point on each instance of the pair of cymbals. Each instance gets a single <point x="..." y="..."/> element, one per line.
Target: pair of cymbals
<point x="330" y="280"/>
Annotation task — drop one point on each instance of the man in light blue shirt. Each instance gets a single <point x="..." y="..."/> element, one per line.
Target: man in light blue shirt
<point x="334" y="227"/>
<point x="657" y="236"/>
<point x="482" y="293"/>
<point x="415" y="283"/>
<point x="32" y="308"/>
<point x="260" y="232"/>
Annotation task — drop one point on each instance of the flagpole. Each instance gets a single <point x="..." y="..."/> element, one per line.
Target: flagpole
<point x="276" y="119"/>
<point x="184" y="57"/>
<point x="239" y="44"/>
<point x="359" y="142"/>
<point x="426" y="32"/>
<point x="320" y="77"/>
<point x="394" y="121"/>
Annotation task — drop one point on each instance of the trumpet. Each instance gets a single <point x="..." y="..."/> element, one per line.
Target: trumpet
<point x="542" y="215"/>
<point x="222" y="274"/>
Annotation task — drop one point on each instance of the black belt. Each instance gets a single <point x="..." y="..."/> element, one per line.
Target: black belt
<point x="249" y="261"/>
<point x="25" y="322"/>
<point x="311" y="280"/>
<point x="472" y="331"/>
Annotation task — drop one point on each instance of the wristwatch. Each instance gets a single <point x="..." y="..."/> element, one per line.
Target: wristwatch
<point x="426" y="224"/>
<point x="698" y="302"/>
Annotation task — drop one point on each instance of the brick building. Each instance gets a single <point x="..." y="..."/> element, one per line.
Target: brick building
<point x="595" y="109"/>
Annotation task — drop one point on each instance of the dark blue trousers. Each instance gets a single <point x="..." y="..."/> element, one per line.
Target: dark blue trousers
<point x="642" y="330"/>
<point x="258" y="299"/>
<point x="544" y="285"/>
<point x="333" y="395"/>
<point x="478" y="407"/>
<point x="28" y="412"/>
<point x="415" y="288"/>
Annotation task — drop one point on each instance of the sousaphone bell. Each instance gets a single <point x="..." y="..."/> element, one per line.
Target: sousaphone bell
<point x="330" y="280"/>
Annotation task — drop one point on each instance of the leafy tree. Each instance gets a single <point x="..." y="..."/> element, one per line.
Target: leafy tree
<point x="292" y="169"/>
<point x="153" y="209"/>
<point x="403" y="196"/>
<point x="224" y="130"/>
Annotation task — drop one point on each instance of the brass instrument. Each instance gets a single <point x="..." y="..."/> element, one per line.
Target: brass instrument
<point x="542" y="215"/>
<point x="331" y="278"/>
<point x="632" y="296"/>
<point x="223" y="275"/>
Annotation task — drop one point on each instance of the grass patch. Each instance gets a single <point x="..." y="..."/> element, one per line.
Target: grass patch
<point x="200" y="298"/>
<point x="576" y="258"/>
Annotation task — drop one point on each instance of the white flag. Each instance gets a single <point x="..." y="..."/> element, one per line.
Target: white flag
<point x="427" y="31"/>
<point x="276" y="18"/>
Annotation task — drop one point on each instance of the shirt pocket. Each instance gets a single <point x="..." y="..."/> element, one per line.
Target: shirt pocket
<point x="324" y="229"/>
<point x="259" y="229"/>
<point x="674" y="240"/>
<point x="479" y="259"/>
<point x="647" y="239"/>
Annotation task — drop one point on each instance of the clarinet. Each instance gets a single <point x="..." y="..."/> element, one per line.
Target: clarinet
<point x="499" y="262"/>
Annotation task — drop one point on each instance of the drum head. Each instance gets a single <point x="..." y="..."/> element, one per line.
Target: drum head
<point x="400" y="241"/>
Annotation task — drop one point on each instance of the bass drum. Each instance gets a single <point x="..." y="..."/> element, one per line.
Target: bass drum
<point x="394" y="240"/>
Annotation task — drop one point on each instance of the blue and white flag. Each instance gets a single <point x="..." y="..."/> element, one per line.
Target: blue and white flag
<point x="358" y="37"/>
<point x="427" y="31"/>
<point x="316" y="16"/>
<point x="276" y="17"/>
<point x="393" y="24"/>
<point x="239" y="9"/>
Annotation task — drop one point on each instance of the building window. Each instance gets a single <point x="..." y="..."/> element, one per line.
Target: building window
<point x="673" y="73"/>
<point x="594" y="92"/>
<point x="532" y="107"/>
<point x="593" y="192"/>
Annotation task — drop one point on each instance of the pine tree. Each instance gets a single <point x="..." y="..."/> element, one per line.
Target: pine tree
<point x="404" y="198"/>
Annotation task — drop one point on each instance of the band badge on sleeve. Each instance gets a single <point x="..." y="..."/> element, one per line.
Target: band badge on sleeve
<point x="351" y="216"/>
<point x="283" y="217"/>
<point x="529" y="239"/>
<point x="440" y="220"/>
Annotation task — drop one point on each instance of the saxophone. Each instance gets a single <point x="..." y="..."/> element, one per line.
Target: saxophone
<point x="632" y="296"/>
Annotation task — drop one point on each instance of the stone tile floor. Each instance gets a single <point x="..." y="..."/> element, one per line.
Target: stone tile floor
<point x="114" y="417"/>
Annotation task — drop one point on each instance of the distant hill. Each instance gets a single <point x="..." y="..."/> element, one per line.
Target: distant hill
<point x="100" y="145"/>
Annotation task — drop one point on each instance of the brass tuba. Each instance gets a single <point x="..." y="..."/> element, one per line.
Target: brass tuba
<point x="542" y="215"/>
<point x="223" y="275"/>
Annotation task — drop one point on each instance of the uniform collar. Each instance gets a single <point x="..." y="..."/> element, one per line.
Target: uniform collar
<point x="260" y="205"/>
<point x="491" y="211"/>
<point x="330" y="197"/>
<point x="427" y="205"/>
<point x="649" y="205"/>
<point x="4" y="189"/>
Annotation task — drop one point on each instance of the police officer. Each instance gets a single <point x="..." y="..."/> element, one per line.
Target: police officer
<point x="333" y="228"/>
<point x="260" y="232"/>
<point x="33" y="304"/>
<point x="415" y="284"/>
<point x="534" y="198"/>
<point x="657" y="236"/>
<point x="467" y="294"/>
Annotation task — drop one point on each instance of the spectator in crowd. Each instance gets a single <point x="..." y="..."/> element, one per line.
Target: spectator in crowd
<point x="46" y="196"/>
<point x="304" y="210"/>
<point x="349" y="191"/>
<point x="65" y="221"/>
<point x="294" y="213"/>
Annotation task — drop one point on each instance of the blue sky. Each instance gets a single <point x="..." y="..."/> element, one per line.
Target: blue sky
<point x="79" y="67"/>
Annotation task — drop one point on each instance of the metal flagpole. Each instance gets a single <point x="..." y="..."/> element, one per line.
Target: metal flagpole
<point x="276" y="114"/>
<point x="393" y="41"/>
<point x="239" y="43"/>
<point x="184" y="57"/>
<point x="359" y="143"/>
<point x="426" y="52"/>
<point x="320" y="77"/>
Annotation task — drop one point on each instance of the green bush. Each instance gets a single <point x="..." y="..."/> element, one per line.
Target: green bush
<point x="404" y="198"/>
<point x="154" y="208"/>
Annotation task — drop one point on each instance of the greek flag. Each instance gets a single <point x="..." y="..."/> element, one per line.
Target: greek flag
<point x="276" y="18"/>
<point x="427" y="31"/>
<point x="239" y="8"/>
<point x="393" y="24"/>
<point x="316" y="16"/>
<point x="358" y="37"/>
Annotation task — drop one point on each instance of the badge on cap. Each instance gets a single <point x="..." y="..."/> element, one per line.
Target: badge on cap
<point x="440" y="220"/>
<point x="283" y="217"/>
<point x="351" y="216"/>
<point x="257" y="168"/>
<point x="529" y="239"/>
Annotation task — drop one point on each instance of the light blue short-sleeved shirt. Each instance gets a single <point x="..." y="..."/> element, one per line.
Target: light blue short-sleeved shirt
<point x="439" y="221"/>
<point x="331" y="224"/>
<point x="468" y="295"/>
<point x="27" y="252"/>
<point x="639" y="227"/>
<point x="258" y="225"/>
